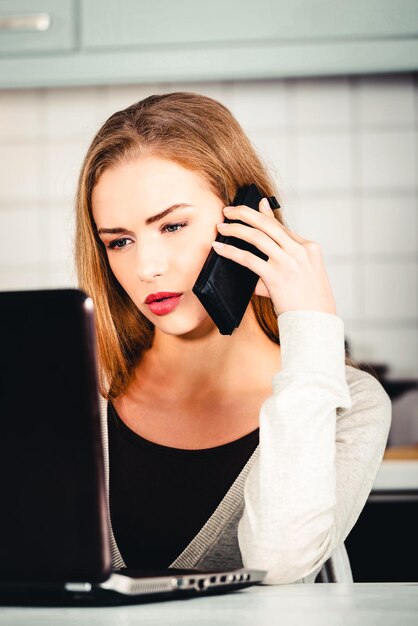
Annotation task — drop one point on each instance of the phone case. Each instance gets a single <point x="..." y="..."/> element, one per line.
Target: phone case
<point x="225" y="287"/>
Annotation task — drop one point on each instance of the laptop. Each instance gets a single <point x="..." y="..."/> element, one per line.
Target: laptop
<point x="54" y="523"/>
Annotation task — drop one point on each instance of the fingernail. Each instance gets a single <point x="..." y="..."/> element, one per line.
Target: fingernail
<point x="266" y="203"/>
<point x="227" y="209"/>
<point x="217" y="244"/>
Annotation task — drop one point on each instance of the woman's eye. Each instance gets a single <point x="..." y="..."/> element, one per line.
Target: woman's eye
<point x="117" y="244"/>
<point x="173" y="228"/>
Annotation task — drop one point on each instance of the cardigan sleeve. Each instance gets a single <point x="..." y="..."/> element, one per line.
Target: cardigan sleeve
<point x="323" y="433"/>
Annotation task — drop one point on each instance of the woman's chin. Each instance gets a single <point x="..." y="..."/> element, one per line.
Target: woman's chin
<point x="185" y="327"/>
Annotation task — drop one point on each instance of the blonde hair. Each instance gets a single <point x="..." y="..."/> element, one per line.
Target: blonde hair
<point x="196" y="132"/>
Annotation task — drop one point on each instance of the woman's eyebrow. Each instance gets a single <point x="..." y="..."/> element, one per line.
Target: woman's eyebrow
<point x="149" y="220"/>
<point x="160" y="216"/>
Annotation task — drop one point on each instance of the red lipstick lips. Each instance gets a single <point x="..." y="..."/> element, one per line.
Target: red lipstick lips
<point x="162" y="302"/>
<point x="160" y="295"/>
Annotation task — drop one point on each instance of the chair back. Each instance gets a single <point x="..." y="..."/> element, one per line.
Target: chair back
<point x="336" y="569"/>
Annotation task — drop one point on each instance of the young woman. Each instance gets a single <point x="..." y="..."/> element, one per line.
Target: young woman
<point x="255" y="449"/>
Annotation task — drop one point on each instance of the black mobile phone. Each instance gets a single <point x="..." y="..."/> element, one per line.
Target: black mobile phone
<point x="225" y="287"/>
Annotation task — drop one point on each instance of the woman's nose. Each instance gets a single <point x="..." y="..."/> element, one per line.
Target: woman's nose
<point x="151" y="261"/>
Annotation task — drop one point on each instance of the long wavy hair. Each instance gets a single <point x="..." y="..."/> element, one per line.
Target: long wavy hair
<point x="196" y="132"/>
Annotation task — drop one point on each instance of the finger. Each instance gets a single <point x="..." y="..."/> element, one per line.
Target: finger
<point x="268" y="224"/>
<point x="257" y="237"/>
<point x="294" y="235"/>
<point x="243" y="257"/>
<point x="261" y="289"/>
<point x="264" y="207"/>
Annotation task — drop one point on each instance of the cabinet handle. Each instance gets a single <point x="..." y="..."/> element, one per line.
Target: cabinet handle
<point x="41" y="21"/>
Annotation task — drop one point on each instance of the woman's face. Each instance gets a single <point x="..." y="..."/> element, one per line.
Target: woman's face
<point x="151" y="253"/>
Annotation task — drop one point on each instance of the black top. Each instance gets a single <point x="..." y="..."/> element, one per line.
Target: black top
<point x="160" y="497"/>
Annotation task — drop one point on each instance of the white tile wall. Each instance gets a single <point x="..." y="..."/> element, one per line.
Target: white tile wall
<point x="388" y="220"/>
<point x="329" y="221"/>
<point x="260" y="105"/>
<point x="385" y="100"/>
<point x="343" y="153"/>
<point x="71" y="113"/>
<point x="59" y="229"/>
<point x="342" y="281"/>
<point x="63" y="161"/>
<point x="275" y="149"/>
<point x="22" y="115"/>
<point x="388" y="159"/>
<point x="21" y="172"/>
<point x="397" y="346"/>
<point x="323" y="103"/>
<point x="324" y="161"/>
<point x="391" y="291"/>
<point x="20" y="230"/>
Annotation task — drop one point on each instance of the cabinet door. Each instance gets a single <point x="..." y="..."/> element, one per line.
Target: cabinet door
<point x="96" y="42"/>
<point x="28" y="26"/>
<point x="125" y="24"/>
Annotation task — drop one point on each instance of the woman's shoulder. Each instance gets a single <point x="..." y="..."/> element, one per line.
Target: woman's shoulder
<point x="368" y="396"/>
<point x="361" y="381"/>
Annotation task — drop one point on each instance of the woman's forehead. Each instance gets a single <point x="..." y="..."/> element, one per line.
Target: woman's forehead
<point x="147" y="186"/>
<point x="151" y="171"/>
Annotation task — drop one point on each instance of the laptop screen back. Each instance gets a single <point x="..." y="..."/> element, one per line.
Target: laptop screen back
<point x="53" y="516"/>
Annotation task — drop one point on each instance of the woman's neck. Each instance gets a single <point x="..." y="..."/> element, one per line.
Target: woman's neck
<point x="210" y="363"/>
<point x="201" y="392"/>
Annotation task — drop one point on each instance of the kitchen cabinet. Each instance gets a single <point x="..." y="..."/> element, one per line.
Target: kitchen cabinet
<point x="28" y="27"/>
<point x="91" y="42"/>
<point x="383" y="544"/>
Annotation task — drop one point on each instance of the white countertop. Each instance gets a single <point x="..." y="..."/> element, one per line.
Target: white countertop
<point x="356" y="604"/>
<point x="397" y="474"/>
